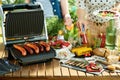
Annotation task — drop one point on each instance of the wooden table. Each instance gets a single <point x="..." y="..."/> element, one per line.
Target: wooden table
<point x="52" y="70"/>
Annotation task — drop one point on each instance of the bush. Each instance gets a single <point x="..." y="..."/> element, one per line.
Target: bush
<point x="54" y="24"/>
<point x="12" y="1"/>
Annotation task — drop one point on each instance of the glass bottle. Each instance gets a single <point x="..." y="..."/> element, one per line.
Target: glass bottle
<point x="117" y="34"/>
<point x="102" y="39"/>
<point x="84" y="40"/>
<point x="111" y="35"/>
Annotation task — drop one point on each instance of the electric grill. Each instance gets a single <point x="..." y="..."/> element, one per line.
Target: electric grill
<point x="25" y="23"/>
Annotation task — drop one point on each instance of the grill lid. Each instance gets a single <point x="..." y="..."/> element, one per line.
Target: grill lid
<point x="24" y="23"/>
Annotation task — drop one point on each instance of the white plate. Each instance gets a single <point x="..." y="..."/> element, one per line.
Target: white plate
<point x="116" y="15"/>
<point x="63" y="53"/>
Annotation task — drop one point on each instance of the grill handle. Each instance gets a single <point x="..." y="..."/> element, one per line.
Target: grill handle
<point x="10" y="7"/>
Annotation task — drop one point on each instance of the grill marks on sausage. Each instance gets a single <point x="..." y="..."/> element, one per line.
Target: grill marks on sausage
<point x="28" y="49"/>
<point x="21" y="49"/>
<point x="46" y="45"/>
<point x="41" y="48"/>
<point x="31" y="48"/>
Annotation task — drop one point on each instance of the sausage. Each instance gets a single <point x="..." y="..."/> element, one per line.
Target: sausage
<point x="41" y="48"/>
<point x="33" y="46"/>
<point x="21" y="49"/>
<point x="28" y="49"/>
<point x="46" y="45"/>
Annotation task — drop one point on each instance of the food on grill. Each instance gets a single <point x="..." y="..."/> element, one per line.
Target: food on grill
<point x="33" y="46"/>
<point x="29" y="50"/>
<point x="46" y="45"/>
<point x="21" y="49"/>
<point x="41" y="48"/>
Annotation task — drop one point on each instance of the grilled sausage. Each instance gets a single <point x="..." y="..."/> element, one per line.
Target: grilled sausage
<point x="21" y="49"/>
<point x="33" y="46"/>
<point x="41" y="48"/>
<point x="46" y="45"/>
<point x="28" y="49"/>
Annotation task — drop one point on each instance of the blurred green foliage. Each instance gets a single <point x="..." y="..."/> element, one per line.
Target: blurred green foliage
<point x="54" y="24"/>
<point x="74" y="32"/>
<point x="12" y="1"/>
<point x="72" y="9"/>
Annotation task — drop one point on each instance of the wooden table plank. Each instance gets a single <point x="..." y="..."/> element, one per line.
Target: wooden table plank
<point x="17" y="73"/>
<point x="41" y="69"/>
<point x="99" y="74"/>
<point x="9" y="75"/>
<point x="88" y="74"/>
<point x="118" y="74"/>
<point x="49" y="68"/>
<point x="113" y="74"/>
<point x="62" y="78"/>
<point x="65" y="71"/>
<point x="34" y="70"/>
<point x="105" y="73"/>
<point x="80" y="73"/>
<point x="73" y="72"/>
<point x="25" y="71"/>
<point x="56" y="65"/>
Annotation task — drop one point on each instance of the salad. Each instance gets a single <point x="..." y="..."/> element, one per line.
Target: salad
<point x="109" y="14"/>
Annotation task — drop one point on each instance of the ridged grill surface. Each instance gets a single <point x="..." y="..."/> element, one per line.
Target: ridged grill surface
<point x="24" y="23"/>
<point x="31" y="58"/>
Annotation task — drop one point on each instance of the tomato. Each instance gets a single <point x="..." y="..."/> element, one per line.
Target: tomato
<point x="88" y="54"/>
<point x="85" y="55"/>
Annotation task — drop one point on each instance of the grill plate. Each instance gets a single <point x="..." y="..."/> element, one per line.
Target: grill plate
<point x="32" y="58"/>
<point x="24" y="23"/>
